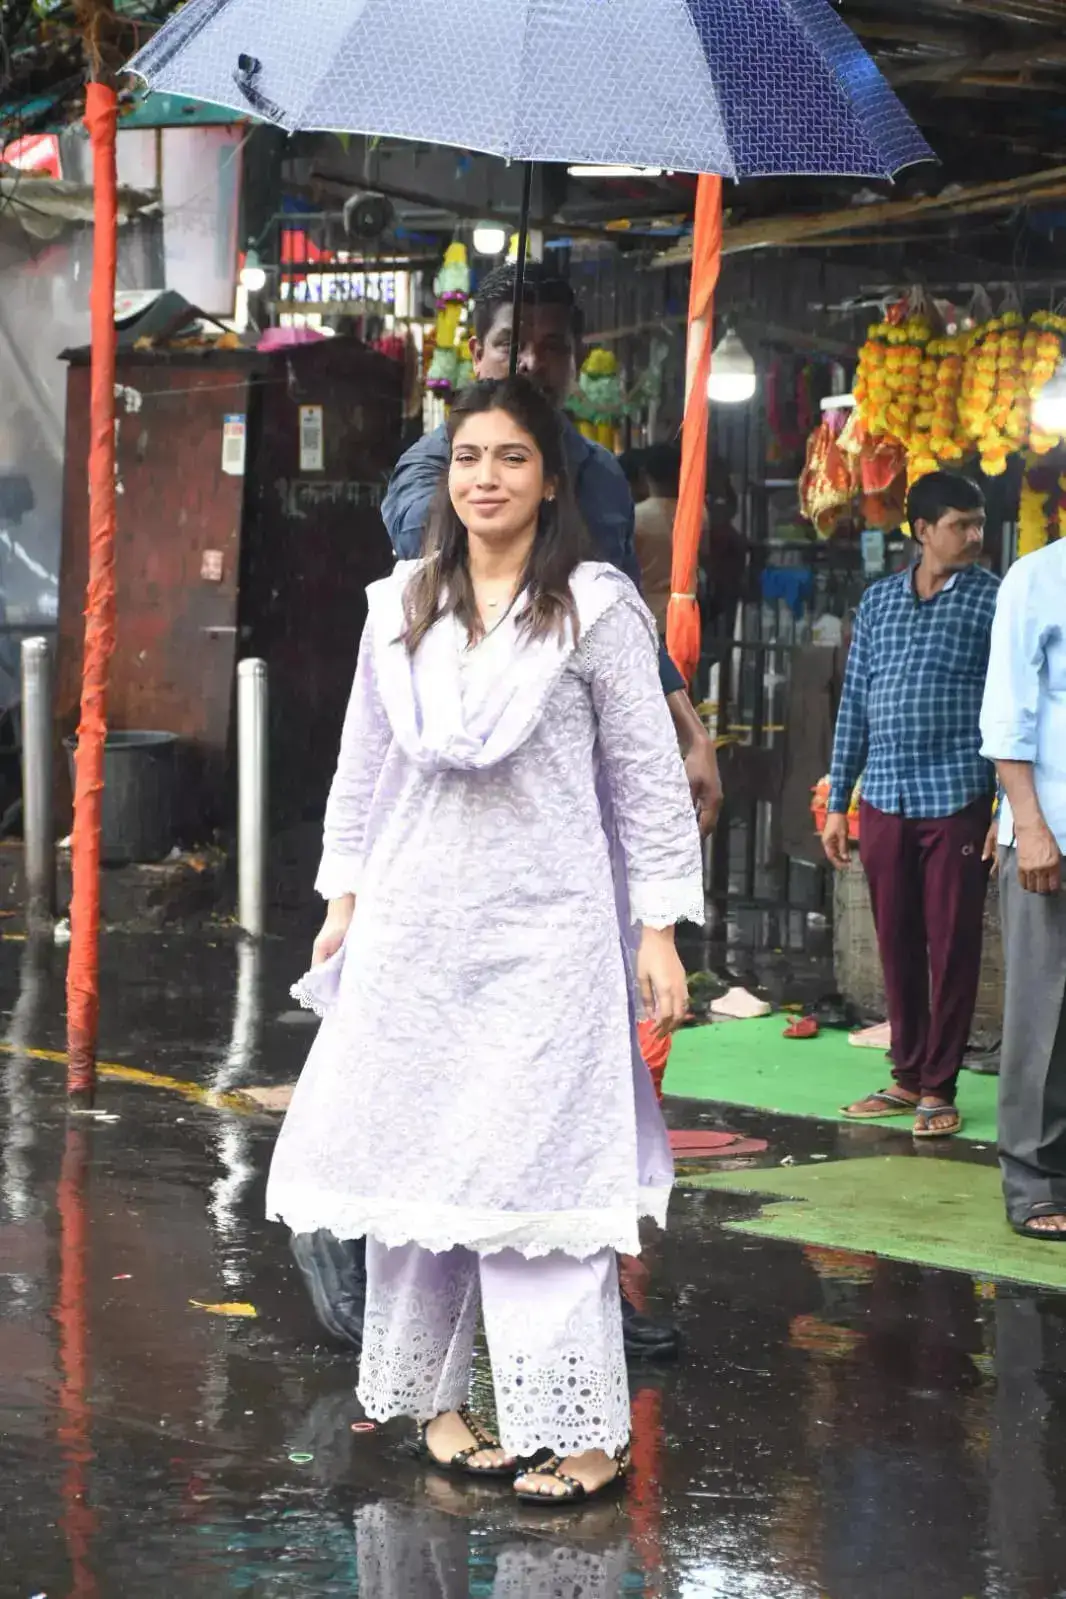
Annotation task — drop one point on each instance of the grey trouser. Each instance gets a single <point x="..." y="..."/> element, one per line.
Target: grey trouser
<point x="1032" y="1074"/>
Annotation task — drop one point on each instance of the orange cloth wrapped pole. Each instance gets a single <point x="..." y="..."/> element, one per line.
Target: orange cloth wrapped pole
<point x="655" y="1049"/>
<point x="83" y="968"/>
<point x="683" y="616"/>
<point x="78" y="1519"/>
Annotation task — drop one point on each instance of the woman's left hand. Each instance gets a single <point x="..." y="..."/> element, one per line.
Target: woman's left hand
<point x="663" y="984"/>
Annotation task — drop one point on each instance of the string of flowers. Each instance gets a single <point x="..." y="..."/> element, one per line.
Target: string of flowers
<point x="944" y="398"/>
<point x="1042" y="506"/>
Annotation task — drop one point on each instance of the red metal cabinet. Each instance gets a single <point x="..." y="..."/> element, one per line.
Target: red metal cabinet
<point x="270" y="557"/>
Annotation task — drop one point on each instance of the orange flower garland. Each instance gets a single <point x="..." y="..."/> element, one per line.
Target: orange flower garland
<point x="889" y="381"/>
<point x="946" y="441"/>
<point x="872" y="394"/>
<point x="972" y="392"/>
<point x="1048" y="352"/>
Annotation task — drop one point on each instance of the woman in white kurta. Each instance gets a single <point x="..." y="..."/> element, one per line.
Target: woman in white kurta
<point x="474" y="1104"/>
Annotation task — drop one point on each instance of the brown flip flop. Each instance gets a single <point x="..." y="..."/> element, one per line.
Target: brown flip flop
<point x="895" y="1105"/>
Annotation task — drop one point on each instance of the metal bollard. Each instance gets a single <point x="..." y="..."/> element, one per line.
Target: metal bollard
<point x="37" y="829"/>
<point x="252" y="800"/>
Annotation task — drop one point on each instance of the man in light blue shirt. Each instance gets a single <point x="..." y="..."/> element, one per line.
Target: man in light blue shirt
<point x="1023" y="726"/>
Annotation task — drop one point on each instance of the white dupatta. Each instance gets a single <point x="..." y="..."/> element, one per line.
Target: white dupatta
<point x="452" y="707"/>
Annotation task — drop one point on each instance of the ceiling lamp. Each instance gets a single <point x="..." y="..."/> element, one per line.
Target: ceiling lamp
<point x="732" y="371"/>
<point x="1049" y="409"/>
<point x="489" y="238"/>
<point x="614" y="172"/>
<point x="253" y="274"/>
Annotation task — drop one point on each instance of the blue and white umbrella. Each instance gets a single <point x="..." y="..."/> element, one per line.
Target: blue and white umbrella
<point x="744" y="88"/>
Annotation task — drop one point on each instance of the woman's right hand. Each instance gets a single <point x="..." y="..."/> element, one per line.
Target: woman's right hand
<point x="334" y="929"/>
<point x="662" y="980"/>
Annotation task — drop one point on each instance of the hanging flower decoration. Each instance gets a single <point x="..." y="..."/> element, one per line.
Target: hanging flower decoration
<point x="1048" y="351"/>
<point x="599" y="403"/>
<point x="1042" y="509"/>
<point x="906" y="353"/>
<point x="872" y="394"/>
<point x="942" y="398"/>
<point x="947" y="397"/>
<point x="889" y="381"/>
<point x="920" y="456"/>
<point x="1032" y="513"/>
<point x="452" y="289"/>
<point x="946" y="442"/>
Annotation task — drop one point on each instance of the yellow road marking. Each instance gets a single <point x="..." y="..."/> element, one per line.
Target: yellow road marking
<point x="230" y="1308"/>
<point x="133" y="1074"/>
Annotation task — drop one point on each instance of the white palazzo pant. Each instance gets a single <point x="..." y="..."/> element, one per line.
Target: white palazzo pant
<point x="554" y="1331"/>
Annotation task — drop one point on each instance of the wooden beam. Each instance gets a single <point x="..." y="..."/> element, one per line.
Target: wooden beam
<point x="1044" y="56"/>
<point x="948" y="39"/>
<point x="765" y="233"/>
<point x="757" y="331"/>
<point x="974" y="86"/>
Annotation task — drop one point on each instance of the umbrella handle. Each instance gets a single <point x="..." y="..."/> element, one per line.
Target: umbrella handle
<point x="520" y="264"/>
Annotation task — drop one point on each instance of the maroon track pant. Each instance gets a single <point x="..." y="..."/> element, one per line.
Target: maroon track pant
<point x="927" y="887"/>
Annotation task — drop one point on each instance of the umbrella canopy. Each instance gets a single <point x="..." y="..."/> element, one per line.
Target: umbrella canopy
<point x="742" y="88"/>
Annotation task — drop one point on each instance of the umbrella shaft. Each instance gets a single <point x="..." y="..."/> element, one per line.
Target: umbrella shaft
<point x="520" y="265"/>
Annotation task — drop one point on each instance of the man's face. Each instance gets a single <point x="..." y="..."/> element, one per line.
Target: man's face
<point x="546" y="351"/>
<point x="955" y="541"/>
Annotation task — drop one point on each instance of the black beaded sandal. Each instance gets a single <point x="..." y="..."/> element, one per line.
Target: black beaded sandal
<point x="575" y="1491"/>
<point x="459" y="1464"/>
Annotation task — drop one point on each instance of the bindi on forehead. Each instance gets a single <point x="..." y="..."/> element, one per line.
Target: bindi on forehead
<point x="494" y="444"/>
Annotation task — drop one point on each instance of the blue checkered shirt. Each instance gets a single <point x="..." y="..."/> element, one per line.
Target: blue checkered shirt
<point x="909" y="719"/>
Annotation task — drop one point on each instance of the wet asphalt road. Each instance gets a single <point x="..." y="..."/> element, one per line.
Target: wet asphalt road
<point x="839" y="1426"/>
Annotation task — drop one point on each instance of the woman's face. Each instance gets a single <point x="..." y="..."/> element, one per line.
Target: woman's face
<point x="496" y="478"/>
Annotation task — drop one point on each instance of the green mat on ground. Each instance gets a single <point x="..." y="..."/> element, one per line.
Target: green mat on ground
<point x="946" y="1213"/>
<point x="749" y="1063"/>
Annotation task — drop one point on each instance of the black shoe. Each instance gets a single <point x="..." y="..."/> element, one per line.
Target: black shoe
<point x="335" y="1276"/>
<point x="985" y="1062"/>
<point x="646" y="1339"/>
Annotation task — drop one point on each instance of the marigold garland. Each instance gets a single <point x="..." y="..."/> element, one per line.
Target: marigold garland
<point x="1032" y="514"/>
<point x="1042" y="506"/>
<point x="971" y="392"/>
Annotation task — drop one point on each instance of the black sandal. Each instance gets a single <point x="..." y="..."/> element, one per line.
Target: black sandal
<point x="575" y="1491"/>
<point x="459" y="1464"/>
<point x="1048" y="1207"/>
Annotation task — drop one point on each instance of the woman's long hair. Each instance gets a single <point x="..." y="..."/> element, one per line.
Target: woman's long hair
<point x="443" y="587"/>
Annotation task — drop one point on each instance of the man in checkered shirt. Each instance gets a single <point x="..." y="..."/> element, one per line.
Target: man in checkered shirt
<point x="909" y="723"/>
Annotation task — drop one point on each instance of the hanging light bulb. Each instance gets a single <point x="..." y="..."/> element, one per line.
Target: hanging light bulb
<point x="600" y="171"/>
<point x="1049" y="410"/>
<point x="253" y="274"/>
<point x="489" y="238"/>
<point x="732" y="371"/>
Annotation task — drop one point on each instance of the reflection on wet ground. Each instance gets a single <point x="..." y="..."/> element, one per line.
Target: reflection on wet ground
<point x="839" y="1426"/>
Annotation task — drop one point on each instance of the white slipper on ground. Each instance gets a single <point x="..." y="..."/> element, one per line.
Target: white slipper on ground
<point x="738" y="1005"/>
<point x="877" y="1037"/>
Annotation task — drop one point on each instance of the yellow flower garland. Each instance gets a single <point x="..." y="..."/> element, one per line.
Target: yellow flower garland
<point x="1032" y="514"/>
<point x="970" y="392"/>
